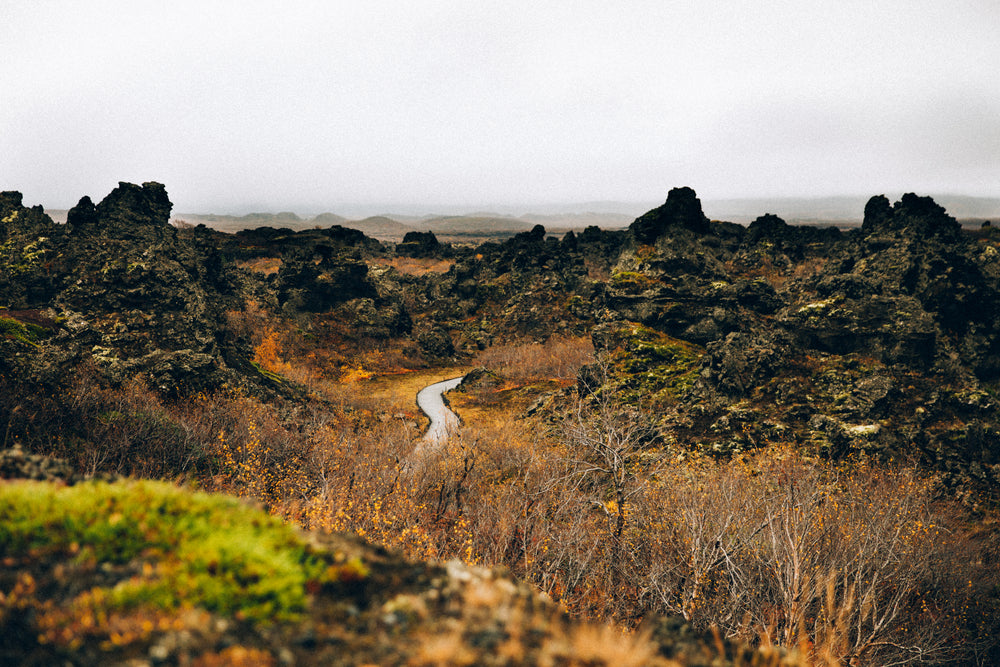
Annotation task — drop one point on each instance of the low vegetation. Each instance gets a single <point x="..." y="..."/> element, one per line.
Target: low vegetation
<point x="206" y="551"/>
<point x="837" y="560"/>
<point x="137" y="572"/>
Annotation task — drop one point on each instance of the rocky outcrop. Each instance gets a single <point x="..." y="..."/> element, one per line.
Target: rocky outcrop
<point x="838" y="342"/>
<point x="17" y="221"/>
<point x="682" y="210"/>
<point x="912" y="215"/>
<point x="914" y="249"/>
<point x="770" y="228"/>
<point x="28" y="242"/>
<point x="304" y="285"/>
<point x="528" y="285"/>
<point x="735" y="336"/>
<point x="128" y="212"/>
<point x="737" y="364"/>
<point x="891" y="329"/>
<point x="334" y="241"/>
<point x="124" y="292"/>
<point x="419" y="244"/>
<point x="480" y="378"/>
<point x="436" y="344"/>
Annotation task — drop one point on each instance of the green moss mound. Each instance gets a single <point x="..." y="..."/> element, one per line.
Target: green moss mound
<point x="163" y="547"/>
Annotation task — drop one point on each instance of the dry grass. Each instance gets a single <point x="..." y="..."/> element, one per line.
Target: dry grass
<point x="418" y="266"/>
<point x="264" y="265"/>
<point x="844" y="562"/>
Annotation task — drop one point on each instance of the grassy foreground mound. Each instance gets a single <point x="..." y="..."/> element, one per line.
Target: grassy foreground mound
<point x="145" y="573"/>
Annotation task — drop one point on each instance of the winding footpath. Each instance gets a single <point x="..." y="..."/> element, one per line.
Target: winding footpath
<point x="443" y="421"/>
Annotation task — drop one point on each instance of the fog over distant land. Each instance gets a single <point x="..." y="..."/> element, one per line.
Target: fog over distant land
<point x="447" y="106"/>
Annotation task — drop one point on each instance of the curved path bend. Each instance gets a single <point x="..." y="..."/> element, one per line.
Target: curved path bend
<point x="443" y="421"/>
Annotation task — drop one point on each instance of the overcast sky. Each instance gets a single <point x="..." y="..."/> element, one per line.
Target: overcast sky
<point x="250" y="105"/>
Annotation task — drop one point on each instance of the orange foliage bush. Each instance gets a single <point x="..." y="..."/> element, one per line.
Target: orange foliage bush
<point x="267" y="354"/>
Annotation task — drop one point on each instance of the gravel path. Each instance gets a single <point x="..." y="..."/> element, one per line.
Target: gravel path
<point x="443" y="420"/>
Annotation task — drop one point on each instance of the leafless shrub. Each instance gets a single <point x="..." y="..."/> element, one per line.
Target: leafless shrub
<point x="845" y="561"/>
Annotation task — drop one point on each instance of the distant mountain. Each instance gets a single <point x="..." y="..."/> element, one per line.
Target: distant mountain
<point x="329" y="219"/>
<point x="579" y="220"/>
<point x="960" y="206"/>
<point x="379" y="227"/>
<point x="841" y="211"/>
<point x="473" y="225"/>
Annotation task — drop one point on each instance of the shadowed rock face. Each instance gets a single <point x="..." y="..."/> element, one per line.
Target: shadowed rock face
<point x="418" y="244"/>
<point x="133" y="297"/>
<point x="304" y="285"/>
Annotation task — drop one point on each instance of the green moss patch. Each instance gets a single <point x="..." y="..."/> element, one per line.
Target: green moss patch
<point x="17" y="259"/>
<point x="651" y="363"/>
<point x="24" y="332"/>
<point x="632" y="282"/>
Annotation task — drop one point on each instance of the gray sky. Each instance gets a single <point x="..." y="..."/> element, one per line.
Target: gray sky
<point x="250" y="105"/>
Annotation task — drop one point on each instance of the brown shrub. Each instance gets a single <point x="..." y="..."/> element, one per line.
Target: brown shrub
<point x="558" y="357"/>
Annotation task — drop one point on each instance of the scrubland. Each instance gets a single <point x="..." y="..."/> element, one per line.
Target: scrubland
<point x="858" y="560"/>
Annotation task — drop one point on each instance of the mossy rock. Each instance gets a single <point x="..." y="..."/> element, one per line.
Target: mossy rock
<point x="646" y="364"/>
<point x="632" y="282"/>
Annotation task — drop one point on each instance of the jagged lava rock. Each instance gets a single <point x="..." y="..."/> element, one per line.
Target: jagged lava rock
<point x="681" y="210"/>
<point x="418" y="244"/>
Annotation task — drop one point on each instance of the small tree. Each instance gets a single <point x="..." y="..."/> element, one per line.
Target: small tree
<point x="605" y="438"/>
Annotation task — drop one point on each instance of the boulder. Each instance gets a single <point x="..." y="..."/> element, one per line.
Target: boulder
<point x="480" y="378"/>
<point x="741" y="362"/>
<point x="435" y="343"/>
